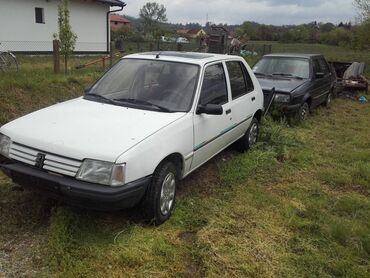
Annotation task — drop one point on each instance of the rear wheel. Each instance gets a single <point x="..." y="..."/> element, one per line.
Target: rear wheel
<point x="249" y="138"/>
<point x="161" y="195"/>
<point x="328" y="99"/>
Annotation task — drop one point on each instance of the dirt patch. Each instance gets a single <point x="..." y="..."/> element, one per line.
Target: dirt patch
<point x="24" y="219"/>
<point x="193" y="264"/>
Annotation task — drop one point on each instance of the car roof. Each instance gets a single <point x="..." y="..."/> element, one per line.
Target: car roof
<point x="184" y="57"/>
<point x="293" y="55"/>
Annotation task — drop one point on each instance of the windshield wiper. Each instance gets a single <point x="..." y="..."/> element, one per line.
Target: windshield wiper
<point x="103" y="98"/>
<point x="143" y="102"/>
<point x="287" y="74"/>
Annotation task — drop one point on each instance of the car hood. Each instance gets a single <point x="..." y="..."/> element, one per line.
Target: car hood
<point x="284" y="85"/>
<point x="82" y="129"/>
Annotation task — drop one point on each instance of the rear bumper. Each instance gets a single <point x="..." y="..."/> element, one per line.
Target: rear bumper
<point x="75" y="192"/>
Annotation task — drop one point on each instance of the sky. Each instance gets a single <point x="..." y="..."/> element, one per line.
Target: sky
<point x="276" y="12"/>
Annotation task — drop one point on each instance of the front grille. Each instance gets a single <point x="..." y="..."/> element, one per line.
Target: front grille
<point x="52" y="162"/>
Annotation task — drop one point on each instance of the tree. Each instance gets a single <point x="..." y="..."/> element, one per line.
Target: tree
<point x="364" y="8"/>
<point x="67" y="39"/>
<point x="153" y="14"/>
<point x="363" y="35"/>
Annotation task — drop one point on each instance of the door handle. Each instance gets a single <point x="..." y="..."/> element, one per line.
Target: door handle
<point x="228" y="111"/>
<point x="253" y="98"/>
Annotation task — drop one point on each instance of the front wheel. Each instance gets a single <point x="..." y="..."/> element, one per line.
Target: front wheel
<point x="160" y="198"/>
<point x="303" y="112"/>
<point x="249" y="138"/>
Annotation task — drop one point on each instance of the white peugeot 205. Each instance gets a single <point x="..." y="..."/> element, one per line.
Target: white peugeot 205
<point x="151" y="120"/>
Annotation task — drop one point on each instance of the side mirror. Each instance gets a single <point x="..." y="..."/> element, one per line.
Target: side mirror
<point x="86" y="90"/>
<point x="210" y="109"/>
<point x="319" y="75"/>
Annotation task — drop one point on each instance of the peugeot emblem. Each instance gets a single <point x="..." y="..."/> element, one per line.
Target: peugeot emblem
<point x="40" y="159"/>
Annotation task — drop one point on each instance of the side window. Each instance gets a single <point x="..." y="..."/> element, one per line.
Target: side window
<point x="237" y="79"/>
<point x="39" y="15"/>
<point x="316" y="66"/>
<point x="214" y="89"/>
<point x="324" y="66"/>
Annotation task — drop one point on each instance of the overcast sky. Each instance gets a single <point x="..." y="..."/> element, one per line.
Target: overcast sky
<point x="278" y="12"/>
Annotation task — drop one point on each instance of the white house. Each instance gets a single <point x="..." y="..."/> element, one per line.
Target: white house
<point x="29" y="25"/>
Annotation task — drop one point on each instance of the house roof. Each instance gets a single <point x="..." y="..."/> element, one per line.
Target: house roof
<point x="182" y="31"/>
<point x="193" y="31"/>
<point x="118" y="3"/>
<point x="119" y="18"/>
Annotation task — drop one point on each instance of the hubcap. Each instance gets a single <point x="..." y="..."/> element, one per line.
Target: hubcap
<point x="304" y="112"/>
<point x="168" y="193"/>
<point x="253" y="133"/>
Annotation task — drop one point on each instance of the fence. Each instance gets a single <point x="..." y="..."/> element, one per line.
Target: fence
<point x="142" y="46"/>
<point x="45" y="47"/>
<point x="34" y="47"/>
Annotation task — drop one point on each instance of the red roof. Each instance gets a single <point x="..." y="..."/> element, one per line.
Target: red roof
<point x="118" y="18"/>
<point x="193" y="31"/>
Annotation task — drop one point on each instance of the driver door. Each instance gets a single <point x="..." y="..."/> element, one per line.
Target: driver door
<point x="211" y="131"/>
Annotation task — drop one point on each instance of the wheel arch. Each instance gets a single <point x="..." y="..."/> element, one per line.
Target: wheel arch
<point x="258" y="115"/>
<point x="307" y="98"/>
<point x="178" y="160"/>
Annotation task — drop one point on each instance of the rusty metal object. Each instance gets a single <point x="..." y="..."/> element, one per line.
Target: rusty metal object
<point x="350" y="76"/>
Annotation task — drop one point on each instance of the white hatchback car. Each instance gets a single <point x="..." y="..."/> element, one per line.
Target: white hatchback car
<point x="151" y="120"/>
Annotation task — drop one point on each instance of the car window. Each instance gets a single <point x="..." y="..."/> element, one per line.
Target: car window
<point x="316" y="66"/>
<point x="284" y="66"/>
<point x="214" y="89"/>
<point x="149" y="83"/>
<point x="240" y="81"/>
<point x="323" y="66"/>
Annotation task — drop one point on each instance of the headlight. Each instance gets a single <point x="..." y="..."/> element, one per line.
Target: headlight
<point x="282" y="98"/>
<point x="102" y="172"/>
<point x="4" y="145"/>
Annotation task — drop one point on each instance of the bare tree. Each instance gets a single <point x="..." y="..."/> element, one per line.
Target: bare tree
<point x="363" y="7"/>
<point x="153" y="14"/>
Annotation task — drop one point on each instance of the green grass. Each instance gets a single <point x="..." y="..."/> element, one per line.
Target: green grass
<point x="296" y="205"/>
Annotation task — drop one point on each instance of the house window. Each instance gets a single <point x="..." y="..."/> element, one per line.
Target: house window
<point x="39" y="15"/>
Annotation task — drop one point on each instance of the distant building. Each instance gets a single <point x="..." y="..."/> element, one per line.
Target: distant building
<point x="191" y="33"/>
<point x="29" y="25"/>
<point x="118" y="21"/>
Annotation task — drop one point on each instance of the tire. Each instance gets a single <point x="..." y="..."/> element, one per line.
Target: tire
<point x="303" y="112"/>
<point x="328" y="99"/>
<point x="249" y="138"/>
<point x="160" y="197"/>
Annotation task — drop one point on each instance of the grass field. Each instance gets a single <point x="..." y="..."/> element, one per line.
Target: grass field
<point x="297" y="205"/>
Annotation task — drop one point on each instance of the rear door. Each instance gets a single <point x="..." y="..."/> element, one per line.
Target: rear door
<point x="211" y="131"/>
<point x="326" y="80"/>
<point x="243" y="98"/>
<point x="321" y="85"/>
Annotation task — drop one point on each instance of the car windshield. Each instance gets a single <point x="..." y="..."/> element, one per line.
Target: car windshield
<point x="283" y="66"/>
<point x="148" y="84"/>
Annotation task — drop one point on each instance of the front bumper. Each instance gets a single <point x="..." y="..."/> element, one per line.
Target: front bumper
<point x="286" y="108"/>
<point x="75" y="192"/>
